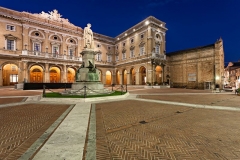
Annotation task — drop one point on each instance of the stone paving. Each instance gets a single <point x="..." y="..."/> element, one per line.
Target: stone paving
<point x="228" y="100"/>
<point x="144" y="130"/>
<point x="21" y="126"/>
<point x="146" y="127"/>
<point x="11" y="100"/>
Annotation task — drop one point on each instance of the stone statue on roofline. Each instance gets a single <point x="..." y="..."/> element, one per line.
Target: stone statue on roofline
<point x="88" y="37"/>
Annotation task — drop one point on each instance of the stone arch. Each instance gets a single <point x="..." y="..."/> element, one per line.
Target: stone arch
<point x="158" y="75"/>
<point x="8" y="62"/>
<point x="124" y="76"/>
<point x="54" y="74"/>
<point x="36" y="74"/>
<point x="108" y="77"/>
<point x="117" y="77"/>
<point x="142" y="75"/>
<point x="41" y="32"/>
<point x="71" y="72"/>
<point x="53" y="34"/>
<point x="132" y="76"/>
<point x="9" y="73"/>
<point x="38" y="64"/>
<point x="75" y="41"/>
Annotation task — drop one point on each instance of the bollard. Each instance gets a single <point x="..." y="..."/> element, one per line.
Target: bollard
<point x="121" y="89"/>
<point x="44" y="92"/>
<point x="65" y="87"/>
<point x="85" y="92"/>
<point x="126" y="87"/>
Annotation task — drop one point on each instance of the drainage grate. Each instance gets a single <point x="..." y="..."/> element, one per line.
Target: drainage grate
<point x="142" y="122"/>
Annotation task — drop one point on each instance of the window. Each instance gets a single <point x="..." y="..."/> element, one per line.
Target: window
<point x="98" y="45"/>
<point x="37" y="47"/>
<point x="142" y="36"/>
<point x="124" y="56"/>
<point x="37" y="34"/>
<point x="117" y="47"/>
<point x="10" y="27"/>
<point x="109" y="58"/>
<point x="98" y="57"/>
<point x="55" y="51"/>
<point x="117" y="58"/>
<point x="123" y="44"/>
<point x="10" y="44"/>
<point x="157" y="49"/>
<point x="142" y="49"/>
<point x="132" y="40"/>
<point x="13" y="78"/>
<point x="55" y="38"/>
<point x="70" y="51"/>
<point x="131" y="53"/>
<point x="109" y="47"/>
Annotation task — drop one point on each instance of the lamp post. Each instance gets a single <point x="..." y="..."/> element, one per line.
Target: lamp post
<point x="153" y="63"/>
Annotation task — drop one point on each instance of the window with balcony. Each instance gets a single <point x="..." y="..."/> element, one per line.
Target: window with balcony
<point x="37" y="47"/>
<point x="117" y="58"/>
<point x="70" y="52"/>
<point x="157" y="49"/>
<point x="55" y="51"/>
<point x="10" y="44"/>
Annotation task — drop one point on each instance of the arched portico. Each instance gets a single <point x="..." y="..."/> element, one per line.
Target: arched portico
<point x="36" y="74"/>
<point x="108" y="78"/>
<point x="9" y="74"/>
<point x="54" y="75"/>
<point x="124" y="76"/>
<point x="142" y="75"/>
<point x="132" y="76"/>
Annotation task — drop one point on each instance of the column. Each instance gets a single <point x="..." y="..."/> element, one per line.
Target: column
<point x="20" y="72"/>
<point x="137" y="78"/>
<point x="1" y="78"/>
<point x="25" y="71"/>
<point x="46" y="76"/>
<point x="121" y="78"/>
<point x="128" y="78"/>
<point x="64" y="76"/>
<point x="162" y="73"/>
<point x="114" y="77"/>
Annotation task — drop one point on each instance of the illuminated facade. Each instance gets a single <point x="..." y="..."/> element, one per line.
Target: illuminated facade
<point x="46" y="48"/>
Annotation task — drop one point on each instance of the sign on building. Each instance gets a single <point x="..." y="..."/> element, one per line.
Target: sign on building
<point x="192" y="77"/>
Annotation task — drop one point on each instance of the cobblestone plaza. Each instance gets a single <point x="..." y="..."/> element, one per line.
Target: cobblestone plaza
<point x="147" y="124"/>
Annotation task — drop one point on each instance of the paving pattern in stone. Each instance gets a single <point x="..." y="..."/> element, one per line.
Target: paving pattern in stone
<point x="134" y="130"/>
<point x="230" y="100"/>
<point x="165" y="90"/>
<point x="21" y="126"/>
<point x="11" y="100"/>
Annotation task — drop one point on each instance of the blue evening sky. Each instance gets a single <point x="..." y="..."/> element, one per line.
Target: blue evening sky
<point x="190" y="23"/>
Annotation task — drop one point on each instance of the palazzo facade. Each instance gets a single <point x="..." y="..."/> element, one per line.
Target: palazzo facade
<point x="44" y="47"/>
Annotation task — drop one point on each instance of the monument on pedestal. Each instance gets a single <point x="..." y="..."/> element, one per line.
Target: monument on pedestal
<point x="88" y="75"/>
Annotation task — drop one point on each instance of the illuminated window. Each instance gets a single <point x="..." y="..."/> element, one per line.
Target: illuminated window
<point x="13" y="78"/>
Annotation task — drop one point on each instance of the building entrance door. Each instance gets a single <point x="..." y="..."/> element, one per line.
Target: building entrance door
<point x="207" y="85"/>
